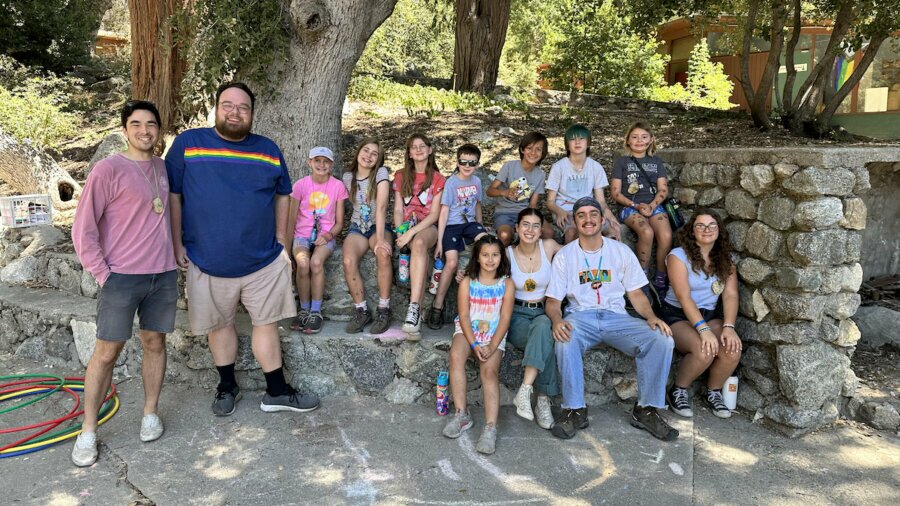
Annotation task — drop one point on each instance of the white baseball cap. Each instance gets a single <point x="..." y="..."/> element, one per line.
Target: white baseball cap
<point x="321" y="151"/>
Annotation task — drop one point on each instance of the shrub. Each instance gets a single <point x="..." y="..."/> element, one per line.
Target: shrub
<point x="32" y="105"/>
<point x="421" y="100"/>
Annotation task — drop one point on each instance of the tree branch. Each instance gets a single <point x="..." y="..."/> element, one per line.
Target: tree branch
<point x="842" y="24"/>
<point x="791" y="76"/>
<point x="845" y="89"/>
<point x="746" y="84"/>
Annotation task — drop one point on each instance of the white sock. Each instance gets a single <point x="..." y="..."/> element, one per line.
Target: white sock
<point x="361" y="305"/>
<point x="383" y="303"/>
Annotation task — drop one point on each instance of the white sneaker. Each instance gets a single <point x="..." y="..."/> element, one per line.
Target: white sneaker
<point x="84" y="452"/>
<point x="544" y="413"/>
<point x="523" y="402"/>
<point x="151" y="428"/>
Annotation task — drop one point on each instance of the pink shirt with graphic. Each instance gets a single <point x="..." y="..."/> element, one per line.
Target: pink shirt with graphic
<point x="115" y="228"/>
<point x="420" y="203"/>
<point x="317" y="199"/>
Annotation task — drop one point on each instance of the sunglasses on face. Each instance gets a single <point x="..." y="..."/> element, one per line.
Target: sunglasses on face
<point x="468" y="163"/>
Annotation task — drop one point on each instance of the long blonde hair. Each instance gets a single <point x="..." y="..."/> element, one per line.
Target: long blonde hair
<point x="353" y="168"/>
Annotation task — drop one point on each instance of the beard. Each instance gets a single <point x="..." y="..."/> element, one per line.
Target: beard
<point x="234" y="132"/>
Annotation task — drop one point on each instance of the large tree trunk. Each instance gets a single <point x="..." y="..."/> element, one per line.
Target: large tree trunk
<point x="327" y="39"/>
<point x="758" y="98"/>
<point x="480" y="34"/>
<point x="157" y="65"/>
<point x="29" y="170"/>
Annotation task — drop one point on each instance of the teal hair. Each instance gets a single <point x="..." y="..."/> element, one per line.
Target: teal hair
<point x="577" y="132"/>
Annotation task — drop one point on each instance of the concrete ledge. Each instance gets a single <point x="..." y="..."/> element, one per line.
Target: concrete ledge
<point x="822" y="157"/>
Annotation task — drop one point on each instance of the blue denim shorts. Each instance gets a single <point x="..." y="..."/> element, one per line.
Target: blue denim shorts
<point x="354" y="229"/>
<point x="303" y="242"/>
<point x="625" y="212"/>
<point x="152" y="296"/>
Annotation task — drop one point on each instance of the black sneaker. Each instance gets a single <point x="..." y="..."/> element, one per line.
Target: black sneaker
<point x="569" y="422"/>
<point x="314" y="323"/>
<point x="412" y="323"/>
<point x="359" y="321"/>
<point x="679" y="402"/>
<point x="225" y="402"/>
<point x="435" y="318"/>
<point x="649" y="420"/>
<point x="716" y="404"/>
<point x="382" y="321"/>
<point x="291" y="401"/>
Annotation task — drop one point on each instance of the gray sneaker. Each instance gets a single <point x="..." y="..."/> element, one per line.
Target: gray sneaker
<point x="151" y="428"/>
<point x="84" y="452"/>
<point x="361" y="318"/>
<point x="544" y="412"/>
<point x="488" y="440"/>
<point x="461" y="422"/>
<point x="314" y="323"/>
<point x="291" y="401"/>
<point x="299" y="321"/>
<point x="382" y="321"/>
<point x="225" y="402"/>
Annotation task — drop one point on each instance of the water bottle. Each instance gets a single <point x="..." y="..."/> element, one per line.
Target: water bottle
<point x="442" y="403"/>
<point x="403" y="267"/>
<point x="729" y="393"/>
<point x="436" y="276"/>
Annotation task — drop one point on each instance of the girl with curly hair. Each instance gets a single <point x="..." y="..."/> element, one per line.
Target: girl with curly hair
<point x="704" y="286"/>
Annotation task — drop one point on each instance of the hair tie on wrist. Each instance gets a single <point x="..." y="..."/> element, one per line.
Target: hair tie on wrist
<point x="698" y="324"/>
<point x="472" y="346"/>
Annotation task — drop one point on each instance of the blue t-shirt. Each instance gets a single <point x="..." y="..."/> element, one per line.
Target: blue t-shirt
<point x="699" y="282"/>
<point x="229" y="188"/>
<point x="461" y="197"/>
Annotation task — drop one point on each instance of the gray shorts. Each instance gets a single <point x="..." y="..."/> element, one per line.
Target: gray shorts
<point x="508" y="219"/>
<point x="152" y="296"/>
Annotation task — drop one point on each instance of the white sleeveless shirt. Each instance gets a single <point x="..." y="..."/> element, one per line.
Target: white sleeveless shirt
<point x="541" y="277"/>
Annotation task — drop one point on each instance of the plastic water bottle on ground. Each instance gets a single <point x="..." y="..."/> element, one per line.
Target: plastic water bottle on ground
<point x="442" y="403"/>
<point x="729" y="392"/>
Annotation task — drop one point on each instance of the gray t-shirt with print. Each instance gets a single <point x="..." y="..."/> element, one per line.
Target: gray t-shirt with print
<point x="461" y="196"/>
<point x="634" y="184"/>
<point x="363" y="210"/>
<point x="526" y="184"/>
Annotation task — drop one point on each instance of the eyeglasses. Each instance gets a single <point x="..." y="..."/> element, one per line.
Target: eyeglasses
<point x="700" y="227"/>
<point x="228" y="107"/>
<point x="468" y="163"/>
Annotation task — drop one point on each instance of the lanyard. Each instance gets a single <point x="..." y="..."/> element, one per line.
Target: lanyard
<point x="596" y="282"/>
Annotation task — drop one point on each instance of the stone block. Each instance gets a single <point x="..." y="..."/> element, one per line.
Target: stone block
<point x="786" y="333"/>
<point x="878" y="327"/>
<point x="111" y="144"/>
<point x="737" y="230"/>
<point x="848" y="333"/>
<point x="90" y="287"/>
<point x="757" y="179"/>
<point x="784" y="170"/>
<point x="753" y="270"/>
<point x="370" y="367"/>
<point x="854" y="246"/>
<point x="757" y="358"/>
<point x="741" y="204"/>
<point x="818" y="214"/>
<point x="764" y="242"/>
<point x="862" y="184"/>
<point x="798" y="278"/>
<point x="698" y="175"/>
<point x="855" y="213"/>
<point x="790" y="307"/>
<point x="687" y="196"/>
<point x="882" y="416"/>
<point x="763" y="384"/>
<point x="85" y="334"/>
<point x="749" y="399"/>
<point x="777" y="212"/>
<point x="841" y="306"/>
<point x="728" y="176"/>
<point x="421" y="362"/>
<point x="710" y="196"/>
<point x="792" y="421"/>
<point x="846" y="278"/>
<point x="824" y="247"/>
<point x="813" y="181"/>
<point x="403" y="391"/>
<point x="745" y="300"/>
<point x="851" y="382"/>
<point x="811" y="374"/>
<point x="596" y="363"/>
<point x="20" y="270"/>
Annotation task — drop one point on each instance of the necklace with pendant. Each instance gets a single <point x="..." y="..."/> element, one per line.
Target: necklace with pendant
<point x="157" y="203"/>
<point x="530" y="283"/>
<point x="595" y="279"/>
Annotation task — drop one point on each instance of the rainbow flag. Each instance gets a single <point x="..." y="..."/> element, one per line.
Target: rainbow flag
<point x="842" y="70"/>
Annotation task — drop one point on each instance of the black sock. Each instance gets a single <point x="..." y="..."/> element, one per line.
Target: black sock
<point x="227" y="381"/>
<point x="275" y="383"/>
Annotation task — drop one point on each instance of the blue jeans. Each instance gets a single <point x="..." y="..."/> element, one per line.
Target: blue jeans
<point x="652" y="351"/>
<point x="530" y="331"/>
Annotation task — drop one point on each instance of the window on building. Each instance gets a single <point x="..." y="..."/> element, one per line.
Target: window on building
<point x="879" y="88"/>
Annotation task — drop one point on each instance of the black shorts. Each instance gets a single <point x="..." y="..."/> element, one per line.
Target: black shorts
<point x="457" y="237"/>
<point x="152" y="296"/>
<point x="671" y="314"/>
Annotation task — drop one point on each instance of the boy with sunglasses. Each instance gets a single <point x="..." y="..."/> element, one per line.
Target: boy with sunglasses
<point x="459" y="223"/>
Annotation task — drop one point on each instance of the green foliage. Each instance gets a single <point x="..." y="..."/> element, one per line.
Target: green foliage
<point x="596" y="50"/>
<point x="412" y="40"/>
<point x="422" y="100"/>
<point x="31" y="105"/>
<point x="224" y="40"/>
<point x="530" y="27"/>
<point x="55" y="35"/>
<point x="707" y="84"/>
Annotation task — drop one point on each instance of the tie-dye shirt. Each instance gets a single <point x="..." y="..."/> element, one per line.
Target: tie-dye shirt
<point x="485" y="302"/>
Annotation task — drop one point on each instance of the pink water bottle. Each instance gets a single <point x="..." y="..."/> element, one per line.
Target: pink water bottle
<point x="442" y="403"/>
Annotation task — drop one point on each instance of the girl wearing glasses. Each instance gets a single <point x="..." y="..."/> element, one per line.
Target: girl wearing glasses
<point x="418" y="187"/>
<point x="702" y="274"/>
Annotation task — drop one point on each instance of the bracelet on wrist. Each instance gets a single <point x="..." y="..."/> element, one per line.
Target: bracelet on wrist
<point x="473" y="345"/>
<point x="703" y="329"/>
<point x="699" y="324"/>
<point x="728" y="325"/>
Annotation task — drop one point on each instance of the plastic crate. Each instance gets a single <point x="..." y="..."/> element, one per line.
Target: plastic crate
<point x="25" y="210"/>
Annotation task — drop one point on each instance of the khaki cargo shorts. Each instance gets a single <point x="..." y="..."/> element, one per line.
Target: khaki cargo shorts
<point x="266" y="293"/>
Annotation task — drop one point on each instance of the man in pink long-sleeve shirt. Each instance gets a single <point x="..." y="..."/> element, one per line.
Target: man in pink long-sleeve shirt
<point x="123" y="237"/>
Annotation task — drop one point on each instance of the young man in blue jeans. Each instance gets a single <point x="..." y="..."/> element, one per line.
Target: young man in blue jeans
<point x="594" y="273"/>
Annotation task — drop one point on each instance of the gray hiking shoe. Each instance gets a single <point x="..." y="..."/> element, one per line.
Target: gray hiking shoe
<point x="359" y="321"/>
<point x="382" y="321"/>
<point x="225" y="402"/>
<point x="488" y="440"/>
<point x="314" y="323"/>
<point x="291" y="401"/>
<point x="84" y="452"/>
<point x="461" y="422"/>
<point x="299" y="321"/>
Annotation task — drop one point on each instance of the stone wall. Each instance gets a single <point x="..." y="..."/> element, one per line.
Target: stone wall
<point x="881" y="254"/>
<point x="796" y="217"/>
